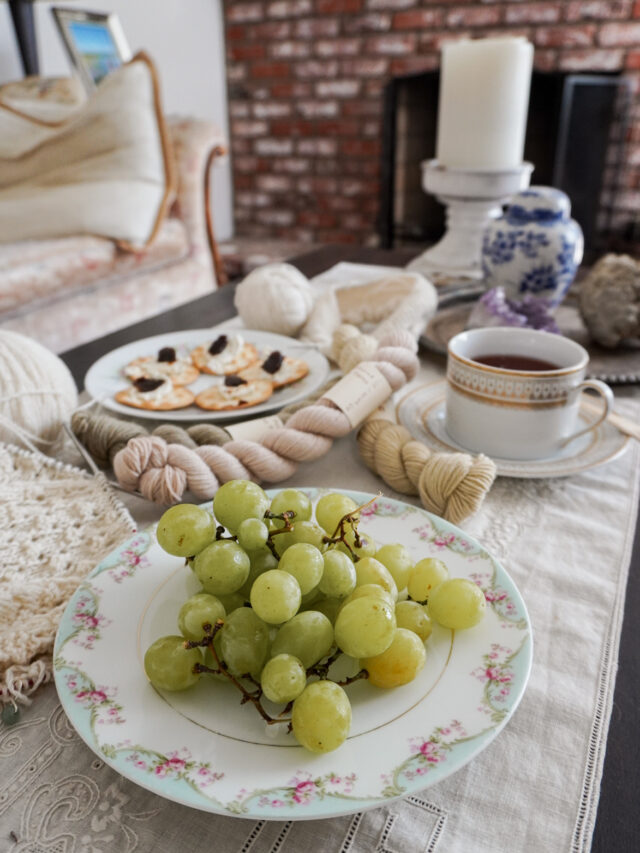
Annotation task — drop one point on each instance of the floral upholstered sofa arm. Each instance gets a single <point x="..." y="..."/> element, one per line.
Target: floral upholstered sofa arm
<point x="197" y="146"/>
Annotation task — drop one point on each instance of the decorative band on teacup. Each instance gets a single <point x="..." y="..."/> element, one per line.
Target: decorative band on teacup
<point x="505" y="388"/>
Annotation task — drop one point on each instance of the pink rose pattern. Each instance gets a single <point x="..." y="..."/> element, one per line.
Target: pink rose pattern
<point x="301" y="790"/>
<point x="97" y="699"/>
<point x="498" y="598"/>
<point x="87" y="621"/>
<point x="496" y="674"/>
<point x="131" y="559"/>
<point x="175" y="765"/>
<point x="446" y="541"/>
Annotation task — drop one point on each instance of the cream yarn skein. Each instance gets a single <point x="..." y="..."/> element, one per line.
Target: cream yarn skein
<point x="276" y="298"/>
<point x="37" y="392"/>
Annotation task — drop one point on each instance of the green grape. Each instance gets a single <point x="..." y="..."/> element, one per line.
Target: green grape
<point x="261" y="561"/>
<point x="185" y="529"/>
<point x="232" y="601"/>
<point x="275" y="596"/>
<point x="321" y="716"/>
<point x="414" y="617"/>
<point x="365" y="627"/>
<point x="291" y="500"/>
<point x="457" y="603"/>
<point x="339" y="575"/>
<point x="252" y="534"/>
<point x="283" y="678"/>
<point x="169" y="666"/>
<point x="308" y="636"/>
<point x="197" y="611"/>
<point x="309" y="598"/>
<point x="370" y="570"/>
<point x="243" y="643"/>
<point x="366" y="548"/>
<point x="370" y="589"/>
<point x="305" y="563"/>
<point x="398" y="561"/>
<point x="329" y="607"/>
<point x="425" y="577"/>
<point x="399" y="664"/>
<point x="302" y="531"/>
<point x="331" y="508"/>
<point x="222" y="567"/>
<point x="237" y="500"/>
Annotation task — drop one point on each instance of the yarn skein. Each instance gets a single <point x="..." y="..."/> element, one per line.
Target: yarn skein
<point x="163" y="472"/>
<point x="37" y="392"/>
<point x="451" y="485"/>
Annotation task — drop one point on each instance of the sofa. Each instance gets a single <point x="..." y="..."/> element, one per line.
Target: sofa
<point x="66" y="291"/>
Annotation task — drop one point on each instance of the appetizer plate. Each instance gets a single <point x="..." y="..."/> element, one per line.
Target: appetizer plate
<point x="205" y="750"/>
<point x="422" y="412"/>
<point x="105" y="377"/>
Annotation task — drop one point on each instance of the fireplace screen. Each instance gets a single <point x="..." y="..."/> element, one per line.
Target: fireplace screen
<point x="575" y="138"/>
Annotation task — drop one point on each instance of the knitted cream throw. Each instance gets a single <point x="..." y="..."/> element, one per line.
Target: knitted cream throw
<point x="56" y="523"/>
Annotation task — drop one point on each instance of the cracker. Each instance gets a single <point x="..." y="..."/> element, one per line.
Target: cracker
<point x="181" y="371"/>
<point x="221" y="398"/>
<point x="291" y="370"/>
<point x="178" y="398"/>
<point x="245" y="356"/>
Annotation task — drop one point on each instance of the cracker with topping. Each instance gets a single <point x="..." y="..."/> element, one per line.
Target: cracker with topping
<point x="165" y="365"/>
<point x="277" y="368"/>
<point x="227" y="354"/>
<point x="159" y="395"/>
<point x="234" y="393"/>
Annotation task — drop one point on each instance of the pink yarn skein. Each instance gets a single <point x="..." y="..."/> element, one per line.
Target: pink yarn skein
<point x="164" y="472"/>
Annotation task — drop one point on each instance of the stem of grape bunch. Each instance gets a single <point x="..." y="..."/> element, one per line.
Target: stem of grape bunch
<point x="350" y="521"/>
<point x="320" y="670"/>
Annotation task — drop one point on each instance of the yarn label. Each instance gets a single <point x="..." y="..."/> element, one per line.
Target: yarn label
<point x="254" y="430"/>
<point x="360" y="392"/>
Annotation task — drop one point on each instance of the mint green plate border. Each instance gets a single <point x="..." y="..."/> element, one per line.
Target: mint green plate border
<point x="310" y="796"/>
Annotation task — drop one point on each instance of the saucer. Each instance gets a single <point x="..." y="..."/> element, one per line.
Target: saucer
<point x="421" y="411"/>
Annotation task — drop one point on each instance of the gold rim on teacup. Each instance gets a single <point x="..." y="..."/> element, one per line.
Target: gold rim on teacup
<point x="525" y="393"/>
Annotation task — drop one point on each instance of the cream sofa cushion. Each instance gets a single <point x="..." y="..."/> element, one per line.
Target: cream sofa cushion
<point x="105" y="170"/>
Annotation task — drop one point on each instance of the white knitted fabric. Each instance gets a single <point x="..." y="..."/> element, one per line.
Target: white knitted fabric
<point x="56" y="523"/>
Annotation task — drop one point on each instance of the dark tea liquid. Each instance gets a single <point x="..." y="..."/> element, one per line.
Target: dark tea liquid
<point x="515" y="362"/>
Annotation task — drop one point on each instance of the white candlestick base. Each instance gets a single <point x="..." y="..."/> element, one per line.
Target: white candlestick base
<point x="472" y="199"/>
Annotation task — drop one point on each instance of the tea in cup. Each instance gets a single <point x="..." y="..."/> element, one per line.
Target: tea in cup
<point x="515" y="393"/>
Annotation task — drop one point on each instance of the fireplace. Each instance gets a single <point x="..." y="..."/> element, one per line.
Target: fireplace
<point x="575" y="133"/>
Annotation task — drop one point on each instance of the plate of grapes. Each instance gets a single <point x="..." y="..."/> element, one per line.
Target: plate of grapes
<point x="293" y="654"/>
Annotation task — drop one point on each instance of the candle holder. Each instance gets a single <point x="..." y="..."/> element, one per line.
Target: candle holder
<point x="472" y="198"/>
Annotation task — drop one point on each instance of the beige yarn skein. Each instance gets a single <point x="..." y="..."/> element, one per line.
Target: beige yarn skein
<point x="37" y="392"/>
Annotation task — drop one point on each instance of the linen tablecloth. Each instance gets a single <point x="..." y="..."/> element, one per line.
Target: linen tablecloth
<point x="566" y="543"/>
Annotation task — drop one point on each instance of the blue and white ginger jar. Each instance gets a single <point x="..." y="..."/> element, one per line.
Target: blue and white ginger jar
<point x="535" y="247"/>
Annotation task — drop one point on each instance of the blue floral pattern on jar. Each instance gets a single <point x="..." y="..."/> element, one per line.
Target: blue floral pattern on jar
<point x="534" y="248"/>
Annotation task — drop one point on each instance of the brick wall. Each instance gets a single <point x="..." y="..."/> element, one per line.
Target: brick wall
<point x="305" y="95"/>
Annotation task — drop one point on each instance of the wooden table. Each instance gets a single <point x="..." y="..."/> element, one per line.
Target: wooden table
<point x="618" y="824"/>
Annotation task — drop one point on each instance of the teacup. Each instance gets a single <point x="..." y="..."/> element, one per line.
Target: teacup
<point x="527" y="409"/>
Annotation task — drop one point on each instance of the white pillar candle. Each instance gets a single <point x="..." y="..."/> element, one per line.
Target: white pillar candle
<point x="484" y="96"/>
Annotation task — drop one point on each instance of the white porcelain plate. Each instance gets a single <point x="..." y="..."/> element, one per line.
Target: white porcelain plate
<point x="105" y="377"/>
<point x="202" y="748"/>
<point x="421" y="411"/>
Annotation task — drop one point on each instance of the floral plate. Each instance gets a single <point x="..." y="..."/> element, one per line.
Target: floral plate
<point x="203" y="749"/>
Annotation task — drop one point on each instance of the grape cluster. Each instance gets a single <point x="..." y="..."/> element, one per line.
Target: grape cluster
<point x="284" y="595"/>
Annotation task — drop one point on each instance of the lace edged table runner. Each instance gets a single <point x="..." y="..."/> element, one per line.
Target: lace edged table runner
<point x="566" y="543"/>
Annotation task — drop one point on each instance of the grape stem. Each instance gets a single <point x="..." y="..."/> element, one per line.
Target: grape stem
<point x="285" y="516"/>
<point x="351" y="519"/>
<point x="247" y="696"/>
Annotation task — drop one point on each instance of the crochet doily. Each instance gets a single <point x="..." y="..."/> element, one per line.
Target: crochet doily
<point x="56" y="523"/>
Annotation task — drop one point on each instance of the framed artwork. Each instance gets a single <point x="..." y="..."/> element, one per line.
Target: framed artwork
<point x="95" y="42"/>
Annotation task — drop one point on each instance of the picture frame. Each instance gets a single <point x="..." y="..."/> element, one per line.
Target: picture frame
<point x="95" y="42"/>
